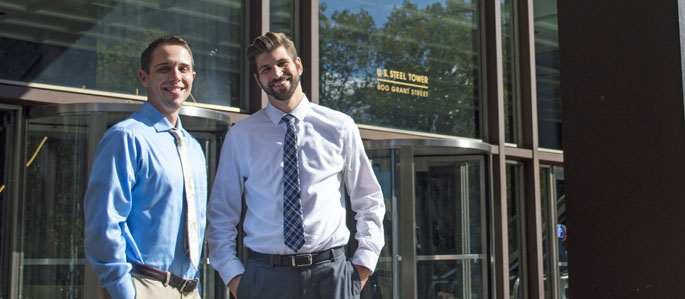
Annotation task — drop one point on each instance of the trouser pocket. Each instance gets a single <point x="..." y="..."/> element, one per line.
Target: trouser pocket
<point x="245" y="281"/>
<point x="355" y="280"/>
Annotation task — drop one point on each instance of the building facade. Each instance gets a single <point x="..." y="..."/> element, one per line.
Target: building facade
<point x="458" y="103"/>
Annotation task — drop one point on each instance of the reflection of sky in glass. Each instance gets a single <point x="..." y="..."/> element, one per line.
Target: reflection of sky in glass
<point x="433" y="38"/>
<point x="378" y="9"/>
<point x="103" y="52"/>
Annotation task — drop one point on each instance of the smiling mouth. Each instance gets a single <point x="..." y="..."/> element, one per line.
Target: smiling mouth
<point x="280" y="82"/>
<point x="174" y="89"/>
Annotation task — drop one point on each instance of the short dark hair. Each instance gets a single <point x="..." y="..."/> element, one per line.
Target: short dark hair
<point x="268" y="42"/>
<point x="146" y="57"/>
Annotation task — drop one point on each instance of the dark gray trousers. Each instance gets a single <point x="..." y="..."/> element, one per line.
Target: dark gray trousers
<point x="335" y="279"/>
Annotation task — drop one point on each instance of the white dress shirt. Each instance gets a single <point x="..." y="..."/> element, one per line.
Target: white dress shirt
<point x="330" y="156"/>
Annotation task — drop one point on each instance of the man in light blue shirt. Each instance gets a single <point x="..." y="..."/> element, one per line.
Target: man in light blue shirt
<point x="146" y="201"/>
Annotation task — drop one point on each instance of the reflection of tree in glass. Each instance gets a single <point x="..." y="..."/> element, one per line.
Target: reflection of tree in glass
<point x="118" y="63"/>
<point x="439" y="41"/>
<point x="53" y="215"/>
<point x="508" y="67"/>
<point x="347" y="58"/>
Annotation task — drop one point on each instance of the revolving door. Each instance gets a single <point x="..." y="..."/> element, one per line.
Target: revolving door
<point x="60" y="144"/>
<point x="435" y="225"/>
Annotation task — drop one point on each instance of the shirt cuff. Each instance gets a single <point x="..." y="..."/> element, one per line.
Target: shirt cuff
<point x="365" y="257"/>
<point x="231" y="269"/>
<point x="123" y="289"/>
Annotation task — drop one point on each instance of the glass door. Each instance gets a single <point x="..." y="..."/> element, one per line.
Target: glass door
<point x="435" y="224"/>
<point x="559" y="212"/>
<point x="60" y="144"/>
<point x="52" y="262"/>
<point x="554" y="232"/>
<point x="449" y="209"/>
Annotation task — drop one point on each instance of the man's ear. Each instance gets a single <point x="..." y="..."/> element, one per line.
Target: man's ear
<point x="298" y="63"/>
<point x="142" y="75"/>
<point x="256" y="78"/>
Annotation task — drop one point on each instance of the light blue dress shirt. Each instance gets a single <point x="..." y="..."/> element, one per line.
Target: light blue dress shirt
<point x="331" y="162"/>
<point x="134" y="206"/>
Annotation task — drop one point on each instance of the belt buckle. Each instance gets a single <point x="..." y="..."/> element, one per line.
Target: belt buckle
<point x="185" y="284"/>
<point x="307" y="262"/>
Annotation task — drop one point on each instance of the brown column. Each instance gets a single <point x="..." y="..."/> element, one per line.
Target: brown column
<point x="529" y="133"/>
<point x="258" y="12"/>
<point x="624" y="146"/>
<point x="494" y="97"/>
<point x="309" y="48"/>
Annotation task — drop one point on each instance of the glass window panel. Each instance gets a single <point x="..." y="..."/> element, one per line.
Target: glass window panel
<point x="438" y="209"/>
<point x="52" y="241"/>
<point x="514" y="225"/>
<point x="547" y="73"/>
<point x="440" y="279"/>
<point x="53" y="281"/>
<point x="384" y="167"/>
<point x="400" y="64"/>
<point x="478" y="278"/>
<point x="97" y="44"/>
<point x="206" y="134"/>
<point x="450" y="279"/>
<point x="281" y="16"/>
<point x="476" y="208"/>
<point x="561" y="219"/>
<point x="383" y="162"/>
<point x="547" y="235"/>
<point x="508" y="68"/>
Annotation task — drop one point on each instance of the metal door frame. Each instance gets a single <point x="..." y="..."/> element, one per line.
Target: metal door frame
<point x="11" y="248"/>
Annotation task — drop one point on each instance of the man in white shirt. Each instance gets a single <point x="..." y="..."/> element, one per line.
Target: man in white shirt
<point x="293" y="161"/>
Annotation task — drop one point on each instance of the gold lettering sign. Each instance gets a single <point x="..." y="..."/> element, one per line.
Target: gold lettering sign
<point x="402" y="82"/>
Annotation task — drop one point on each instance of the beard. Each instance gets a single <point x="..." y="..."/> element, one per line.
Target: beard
<point x="284" y="95"/>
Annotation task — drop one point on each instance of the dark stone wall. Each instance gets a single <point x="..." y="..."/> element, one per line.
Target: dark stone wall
<point x="624" y="147"/>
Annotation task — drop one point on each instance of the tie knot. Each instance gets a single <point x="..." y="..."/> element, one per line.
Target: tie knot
<point x="289" y="118"/>
<point x="177" y="135"/>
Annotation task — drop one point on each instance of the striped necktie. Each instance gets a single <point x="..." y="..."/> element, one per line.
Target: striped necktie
<point x="293" y="228"/>
<point x="191" y="244"/>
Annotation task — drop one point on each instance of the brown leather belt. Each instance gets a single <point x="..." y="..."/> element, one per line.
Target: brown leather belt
<point x="182" y="284"/>
<point x="297" y="260"/>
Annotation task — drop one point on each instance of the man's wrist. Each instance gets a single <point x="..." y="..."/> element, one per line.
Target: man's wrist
<point x="363" y="271"/>
<point x="234" y="283"/>
<point x="124" y="288"/>
<point x="366" y="258"/>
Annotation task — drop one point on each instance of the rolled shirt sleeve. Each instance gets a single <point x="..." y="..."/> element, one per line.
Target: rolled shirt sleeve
<point x="223" y="213"/>
<point x="107" y="205"/>
<point x="366" y="199"/>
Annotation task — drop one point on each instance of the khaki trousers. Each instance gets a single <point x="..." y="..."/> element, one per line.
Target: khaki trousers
<point x="148" y="288"/>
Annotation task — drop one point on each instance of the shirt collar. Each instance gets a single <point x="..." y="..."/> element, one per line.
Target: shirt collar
<point x="159" y="121"/>
<point x="275" y="114"/>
